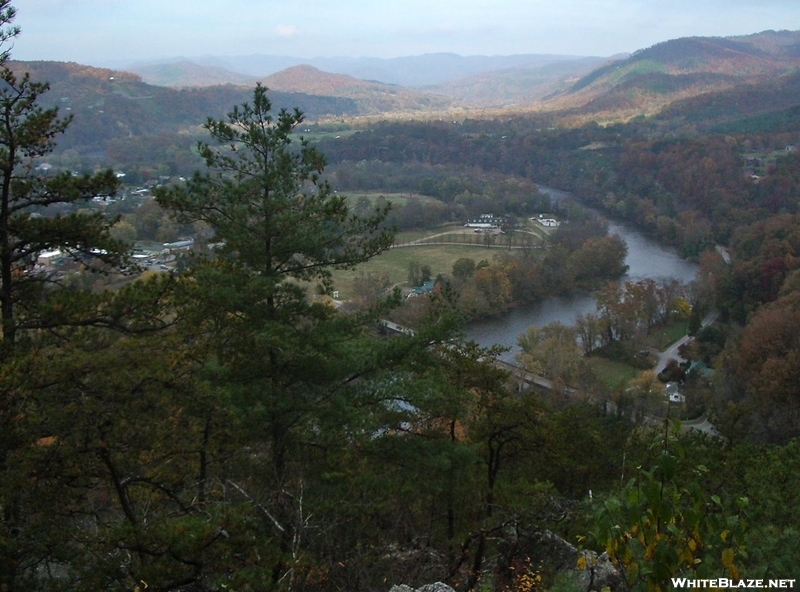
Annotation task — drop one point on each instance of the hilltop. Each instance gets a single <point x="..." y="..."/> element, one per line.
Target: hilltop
<point x="411" y="71"/>
<point x="185" y="73"/>
<point x="748" y="82"/>
<point x="652" y="78"/>
<point x="370" y="96"/>
<point x="571" y="88"/>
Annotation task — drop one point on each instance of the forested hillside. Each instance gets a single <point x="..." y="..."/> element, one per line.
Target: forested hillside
<point x="110" y="105"/>
<point x="654" y="77"/>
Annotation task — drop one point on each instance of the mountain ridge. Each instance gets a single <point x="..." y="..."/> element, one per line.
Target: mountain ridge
<point x="570" y="92"/>
<point x="372" y="96"/>
<point x="652" y="78"/>
<point x="641" y="83"/>
<point x="412" y="71"/>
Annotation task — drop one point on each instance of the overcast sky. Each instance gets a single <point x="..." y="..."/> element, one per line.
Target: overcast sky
<point x="106" y="32"/>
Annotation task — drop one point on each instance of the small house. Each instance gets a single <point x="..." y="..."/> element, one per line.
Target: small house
<point x="673" y="394"/>
<point x="425" y="288"/>
<point x="484" y="221"/>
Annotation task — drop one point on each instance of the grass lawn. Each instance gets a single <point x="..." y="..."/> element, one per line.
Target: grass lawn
<point x="395" y="262"/>
<point x="663" y="337"/>
<point x="439" y="257"/>
<point x="408" y="236"/>
<point x="467" y="236"/>
<point x="396" y="198"/>
<point x="321" y="134"/>
<point x="612" y="374"/>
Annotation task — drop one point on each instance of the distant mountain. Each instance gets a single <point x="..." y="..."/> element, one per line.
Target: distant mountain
<point x="371" y="97"/>
<point x="517" y="86"/>
<point x="432" y="69"/>
<point x="109" y="104"/>
<point x="410" y="71"/>
<point x="652" y="78"/>
<point x="473" y="81"/>
<point x="185" y="73"/>
<point x="777" y="43"/>
<point x="721" y="83"/>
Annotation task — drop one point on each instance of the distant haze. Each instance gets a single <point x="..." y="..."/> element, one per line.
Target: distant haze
<point x="116" y="32"/>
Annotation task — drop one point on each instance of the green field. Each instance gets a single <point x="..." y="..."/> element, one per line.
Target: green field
<point x="662" y="338"/>
<point x="395" y="262"/>
<point x="440" y="257"/>
<point x="395" y="198"/>
<point x="612" y="374"/>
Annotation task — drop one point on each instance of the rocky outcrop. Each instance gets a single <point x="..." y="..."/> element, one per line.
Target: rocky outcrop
<point x="590" y="571"/>
<point x="414" y="564"/>
<point x="600" y="573"/>
<point x="437" y="587"/>
<point x="549" y="550"/>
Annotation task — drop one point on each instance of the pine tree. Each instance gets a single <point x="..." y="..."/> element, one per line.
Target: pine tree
<point x="271" y="213"/>
<point x="27" y="225"/>
<point x="278" y="227"/>
<point x="279" y="356"/>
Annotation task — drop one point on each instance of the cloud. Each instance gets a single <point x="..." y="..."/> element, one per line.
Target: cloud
<point x="287" y="31"/>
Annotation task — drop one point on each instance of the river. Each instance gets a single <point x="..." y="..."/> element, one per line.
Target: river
<point x="646" y="259"/>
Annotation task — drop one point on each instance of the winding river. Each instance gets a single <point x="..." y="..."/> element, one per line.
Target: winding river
<point x="646" y="259"/>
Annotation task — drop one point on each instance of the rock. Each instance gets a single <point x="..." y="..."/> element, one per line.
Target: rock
<point x="600" y="573"/>
<point x="415" y="565"/>
<point x="547" y="549"/>
<point x="437" y="587"/>
<point x="551" y="549"/>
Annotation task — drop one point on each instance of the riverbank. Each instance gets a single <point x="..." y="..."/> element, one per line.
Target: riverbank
<point x="646" y="259"/>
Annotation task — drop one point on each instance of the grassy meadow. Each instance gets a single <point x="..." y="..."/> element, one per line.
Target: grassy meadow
<point x="434" y="252"/>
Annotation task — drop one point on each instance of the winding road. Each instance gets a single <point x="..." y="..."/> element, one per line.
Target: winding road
<point x="671" y="353"/>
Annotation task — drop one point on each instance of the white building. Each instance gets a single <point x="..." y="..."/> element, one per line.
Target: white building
<point x="549" y="222"/>
<point x="485" y="221"/>
<point x="49" y="258"/>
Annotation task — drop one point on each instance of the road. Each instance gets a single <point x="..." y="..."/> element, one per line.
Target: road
<point x="700" y="425"/>
<point x="496" y="243"/>
<point x="672" y="351"/>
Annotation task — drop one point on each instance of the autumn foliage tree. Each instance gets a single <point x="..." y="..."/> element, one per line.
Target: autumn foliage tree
<point x="664" y="524"/>
<point x="768" y="365"/>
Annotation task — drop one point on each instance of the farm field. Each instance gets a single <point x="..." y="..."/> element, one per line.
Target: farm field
<point x="440" y="257"/>
<point x="395" y="263"/>
<point x="396" y="198"/>
<point x="435" y="248"/>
